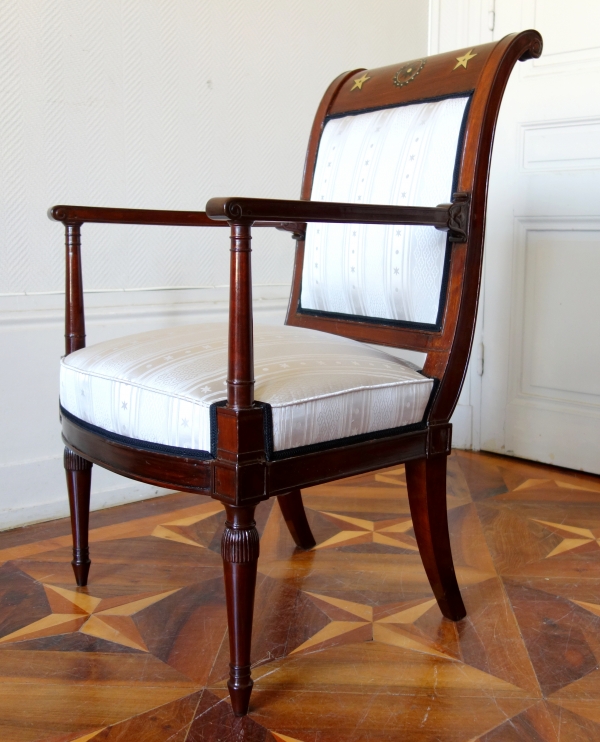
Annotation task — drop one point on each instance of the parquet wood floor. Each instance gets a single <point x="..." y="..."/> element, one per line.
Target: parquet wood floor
<point x="349" y="644"/>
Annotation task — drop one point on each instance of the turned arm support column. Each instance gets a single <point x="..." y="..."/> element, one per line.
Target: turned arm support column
<point x="240" y="371"/>
<point x="74" y="313"/>
<point x="77" y="469"/>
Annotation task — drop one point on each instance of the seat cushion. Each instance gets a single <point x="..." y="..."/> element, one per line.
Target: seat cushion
<point x="159" y="386"/>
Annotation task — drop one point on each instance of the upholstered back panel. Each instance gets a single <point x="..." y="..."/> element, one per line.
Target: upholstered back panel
<point x="406" y="156"/>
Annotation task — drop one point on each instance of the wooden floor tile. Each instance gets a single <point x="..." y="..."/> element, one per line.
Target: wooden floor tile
<point x="349" y="643"/>
<point x="43" y="711"/>
<point x="539" y="723"/>
<point x="168" y="723"/>
<point x="413" y="668"/>
<point x="378" y="717"/>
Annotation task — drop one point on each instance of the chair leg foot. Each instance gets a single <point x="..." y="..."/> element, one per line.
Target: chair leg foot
<point x="426" y="482"/>
<point x="239" y="550"/>
<point x="239" y="692"/>
<point x="79" y="482"/>
<point x="295" y="518"/>
<point x="81" y="568"/>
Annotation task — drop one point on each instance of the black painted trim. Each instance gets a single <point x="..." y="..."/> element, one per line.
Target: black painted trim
<point x="214" y="426"/>
<point x="377" y="320"/>
<point x="188" y="453"/>
<point x="433" y="99"/>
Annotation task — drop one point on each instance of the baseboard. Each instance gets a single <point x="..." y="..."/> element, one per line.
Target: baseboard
<point x="462" y="426"/>
<point x="39" y="492"/>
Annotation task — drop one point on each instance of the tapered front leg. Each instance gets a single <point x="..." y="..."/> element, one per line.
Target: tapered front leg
<point x="426" y="482"/>
<point x="239" y="549"/>
<point x="79" y="482"/>
<point x="295" y="518"/>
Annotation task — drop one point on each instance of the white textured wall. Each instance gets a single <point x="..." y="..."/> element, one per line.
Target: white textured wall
<point x="158" y="104"/>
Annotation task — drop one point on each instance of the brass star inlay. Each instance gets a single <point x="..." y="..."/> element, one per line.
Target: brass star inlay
<point x="386" y="532"/>
<point x="464" y="60"/>
<point x="104" y="618"/>
<point x="360" y="82"/>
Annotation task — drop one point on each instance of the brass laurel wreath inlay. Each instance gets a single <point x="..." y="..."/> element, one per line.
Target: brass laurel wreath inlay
<point x="408" y="72"/>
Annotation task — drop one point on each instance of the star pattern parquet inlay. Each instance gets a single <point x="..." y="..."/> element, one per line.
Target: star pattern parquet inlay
<point x="348" y="644"/>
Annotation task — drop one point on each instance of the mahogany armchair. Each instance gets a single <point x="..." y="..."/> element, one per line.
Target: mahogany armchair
<point x="245" y="414"/>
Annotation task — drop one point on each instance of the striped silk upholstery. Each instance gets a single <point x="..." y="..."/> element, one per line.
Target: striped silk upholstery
<point x="158" y="386"/>
<point x="404" y="156"/>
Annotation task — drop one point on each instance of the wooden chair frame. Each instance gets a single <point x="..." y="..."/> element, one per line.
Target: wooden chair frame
<point x="241" y="474"/>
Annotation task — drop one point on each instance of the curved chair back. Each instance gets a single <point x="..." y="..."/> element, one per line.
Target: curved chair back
<point x="413" y="134"/>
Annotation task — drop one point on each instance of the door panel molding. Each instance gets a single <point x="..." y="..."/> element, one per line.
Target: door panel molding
<point x="535" y="14"/>
<point x="548" y="421"/>
<point x="540" y="314"/>
<point x="560" y="144"/>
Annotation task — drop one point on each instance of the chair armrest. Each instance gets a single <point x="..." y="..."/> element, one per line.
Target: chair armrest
<point x="102" y="215"/>
<point x="452" y="217"/>
<point x="97" y="214"/>
<point x="268" y="209"/>
<point x="73" y="217"/>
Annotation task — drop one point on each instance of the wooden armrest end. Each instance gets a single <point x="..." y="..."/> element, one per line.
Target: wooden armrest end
<point x="102" y="215"/>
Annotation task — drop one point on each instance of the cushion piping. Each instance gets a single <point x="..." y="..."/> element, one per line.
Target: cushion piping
<point x="199" y="403"/>
<point x="136" y="442"/>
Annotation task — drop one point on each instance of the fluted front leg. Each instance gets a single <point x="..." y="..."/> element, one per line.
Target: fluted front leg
<point x="79" y="482"/>
<point x="239" y="549"/>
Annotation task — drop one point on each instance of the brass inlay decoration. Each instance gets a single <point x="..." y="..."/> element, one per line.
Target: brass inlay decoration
<point x="360" y="82"/>
<point x="464" y="60"/>
<point x="408" y="72"/>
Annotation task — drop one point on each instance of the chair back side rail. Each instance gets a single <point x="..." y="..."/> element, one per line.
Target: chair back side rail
<point x="473" y="177"/>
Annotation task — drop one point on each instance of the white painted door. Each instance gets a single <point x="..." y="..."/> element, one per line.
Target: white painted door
<point x="540" y="390"/>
